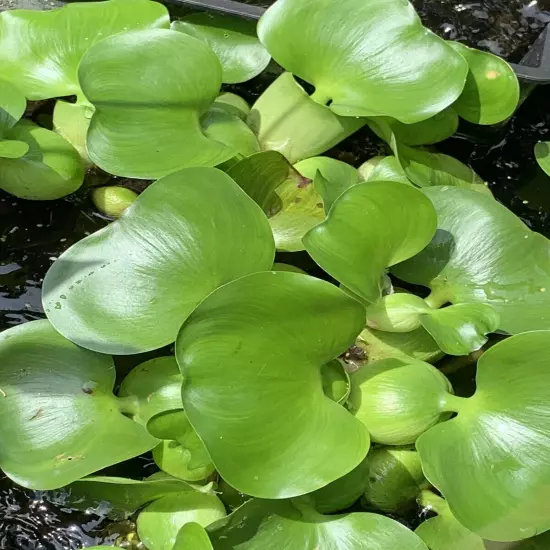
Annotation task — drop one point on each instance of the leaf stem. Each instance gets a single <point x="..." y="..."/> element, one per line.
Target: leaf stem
<point x="128" y="405"/>
<point x="437" y="298"/>
<point x="428" y="499"/>
<point x="320" y="97"/>
<point x="452" y="403"/>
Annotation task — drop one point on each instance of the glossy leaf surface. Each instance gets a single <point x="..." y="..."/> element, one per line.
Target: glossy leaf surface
<point x="49" y="169"/>
<point x="192" y="536"/>
<point x="369" y="228"/>
<point x="490" y="462"/>
<point x="12" y="105"/>
<point x="398" y="400"/>
<point x="492" y="91"/>
<point x="288" y="525"/>
<point x="160" y="522"/>
<point x="383" y="169"/>
<point x="282" y="444"/>
<point x="71" y="122"/>
<point x="232" y="39"/>
<point x="483" y="253"/>
<point x="129" y="287"/>
<point x="173" y="79"/>
<point x="60" y="420"/>
<point x="40" y="50"/>
<point x="348" y="51"/>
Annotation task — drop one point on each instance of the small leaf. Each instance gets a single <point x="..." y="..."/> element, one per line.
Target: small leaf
<point x="383" y="169"/>
<point x="287" y="344"/>
<point x="398" y="400"/>
<point x="57" y="402"/>
<point x="160" y="522"/>
<point x="462" y="328"/>
<point x="144" y="86"/>
<point x="12" y="105"/>
<point x="71" y="122"/>
<point x="336" y="384"/>
<point x="13" y="149"/>
<point x="370" y="227"/>
<point x="490" y="461"/>
<point x="129" y="287"/>
<point x="348" y="51"/>
<point x="542" y="154"/>
<point x="192" y="536"/>
<point x="154" y="386"/>
<point x="232" y="104"/>
<point x="492" y="91"/>
<point x="398" y="312"/>
<point x="113" y="200"/>
<point x="40" y="50"/>
<point x="294" y="524"/>
<point x="49" y="170"/>
<point x="232" y="39"/>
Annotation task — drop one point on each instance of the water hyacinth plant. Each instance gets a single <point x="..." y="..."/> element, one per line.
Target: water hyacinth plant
<point x="285" y="411"/>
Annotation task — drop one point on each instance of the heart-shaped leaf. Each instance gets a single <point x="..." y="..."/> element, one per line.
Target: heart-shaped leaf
<point x="293" y="525"/>
<point x="286" y="119"/>
<point x="394" y="479"/>
<point x="182" y="454"/>
<point x="490" y="461"/>
<point x="40" y="50"/>
<point x="283" y="444"/>
<point x="159" y="523"/>
<point x="348" y="51"/>
<point x="398" y="400"/>
<point x="59" y="418"/>
<point x="383" y="169"/>
<point x="124" y="496"/>
<point x="12" y="105"/>
<point x="492" y="91"/>
<point x="542" y="154"/>
<point x="444" y="532"/>
<point x="232" y="39"/>
<point x="129" y="287"/>
<point x="146" y="85"/>
<point x="153" y="387"/>
<point x="370" y="227"/>
<point x="193" y="536"/>
<point x="50" y="168"/>
<point x="482" y="253"/>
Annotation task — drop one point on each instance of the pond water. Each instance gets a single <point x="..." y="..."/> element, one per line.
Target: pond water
<point x="33" y="235"/>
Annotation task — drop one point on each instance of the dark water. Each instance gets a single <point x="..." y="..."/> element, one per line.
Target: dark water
<point x="34" y="234"/>
<point x="504" y="27"/>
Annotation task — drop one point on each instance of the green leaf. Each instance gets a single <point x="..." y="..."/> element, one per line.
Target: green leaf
<point x="192" y="536"/>
<point x="124" y="496"/>
<point x="286" y="119"/>
<point x="50" y="169"/>
<point x="343" y="492"/>
<point x="229" y="129"/>
<point x="394" y="479"/>
<point x="482" y="253"/>
<point x="289" y="199"/>
<point x="542" y="154"/>
<point x="417" y="344"/>
<point x="397" y="312"/>
<point x="232" y="39"/>
<point x="398" y="400"/>
<point x="348" y="51"/>
<point x="12" y="105"/>
<point x="13" y="149"/>
<point x="129" y="287"/>
<point x="462" y="328"/>
<point x="444" y="532"/>
<point x="145" y="86"/>
<point x="113" y="200"/>
<point x="232" y="104"/>
<point x="40" y="50"/>
<point x="57" y="402"/>
<point x="159" y="523"/>
<point x="283" y="444"/>
<point x="539" y="542"/>
<point x="330" y="177"/>
<point x="336" y="383"/>
<point x="490" y="461"/>
<point x="437" y="128"/>
<point x="183" y="455"/>
<point x="370" y="227"/>
<point x="71" y="122"/>
<point x="492" y="92"/>
<point x="153" y="387"/>
<point x="292" y="525"/>
<point x="383" y="169"/>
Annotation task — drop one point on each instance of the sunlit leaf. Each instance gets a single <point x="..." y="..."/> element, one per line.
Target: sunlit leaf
<point x="383" y="169"/>
<point x="71" y="122"/>
<point x="283" y="444"/>
<point x="192" y="536"/>
<point x="348" y="51"/>
<point x="490" y="461"/>
<point x="128" y="287"/>
<point x="232" y="39"/>
<point x="40" y="50"/>
<point x="59" y="418"/>
<point x="370" y="227"/>
<point x="12" y="105"/>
